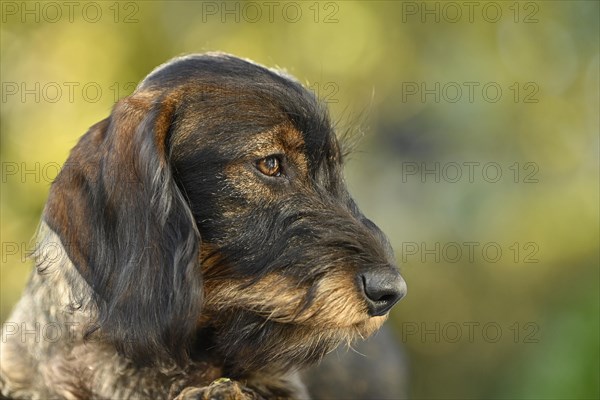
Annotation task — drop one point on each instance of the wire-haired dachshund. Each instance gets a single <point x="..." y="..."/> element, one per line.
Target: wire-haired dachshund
<point x="199" y="242"/>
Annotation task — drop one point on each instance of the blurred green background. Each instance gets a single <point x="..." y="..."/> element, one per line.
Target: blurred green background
<point x="477" y="127"/>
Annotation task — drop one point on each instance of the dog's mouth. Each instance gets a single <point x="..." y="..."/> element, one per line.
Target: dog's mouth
<point x="276" y="322"/>
<point x="330" y="303"/>
<point x="256" y="342"/>
<point x="323" y="319"/>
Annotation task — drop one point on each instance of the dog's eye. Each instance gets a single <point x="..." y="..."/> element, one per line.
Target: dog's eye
<point x="270" y="166"/>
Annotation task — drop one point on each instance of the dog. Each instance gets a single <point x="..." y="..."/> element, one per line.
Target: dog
<point x="199" y="242"/>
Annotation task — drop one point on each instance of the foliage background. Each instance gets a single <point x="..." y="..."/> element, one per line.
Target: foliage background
<point x="364" y="58"/>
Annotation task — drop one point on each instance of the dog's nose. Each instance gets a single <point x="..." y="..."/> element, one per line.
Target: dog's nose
<point x="382" y="288"/>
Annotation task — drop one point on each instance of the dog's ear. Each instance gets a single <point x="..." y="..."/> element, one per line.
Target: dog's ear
<point x="129" y="231"/>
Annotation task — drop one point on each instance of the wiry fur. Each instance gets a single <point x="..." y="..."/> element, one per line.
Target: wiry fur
<point x="176" y="262"/>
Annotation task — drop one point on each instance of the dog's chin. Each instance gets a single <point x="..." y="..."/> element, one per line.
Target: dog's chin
<point x="250" y="343"/>
<point x="366" y="328"/>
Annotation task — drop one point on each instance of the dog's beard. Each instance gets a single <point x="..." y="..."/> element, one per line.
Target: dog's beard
<point x="282" y="322"/>
<point x="252" y="343"/>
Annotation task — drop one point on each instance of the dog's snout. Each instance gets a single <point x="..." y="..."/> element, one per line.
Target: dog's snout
<point x="382" y="288"/>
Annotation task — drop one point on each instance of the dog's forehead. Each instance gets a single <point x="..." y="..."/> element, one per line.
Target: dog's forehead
<point x="231" y="101"/>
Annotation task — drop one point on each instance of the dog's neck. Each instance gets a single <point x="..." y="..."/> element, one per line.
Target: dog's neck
<point x="57" y="309"/>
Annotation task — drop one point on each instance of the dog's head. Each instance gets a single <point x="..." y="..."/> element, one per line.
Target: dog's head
<point x="212" y="200"/>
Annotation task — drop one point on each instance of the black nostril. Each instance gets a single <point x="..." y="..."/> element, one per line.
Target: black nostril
<point x="382" y="288"/>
